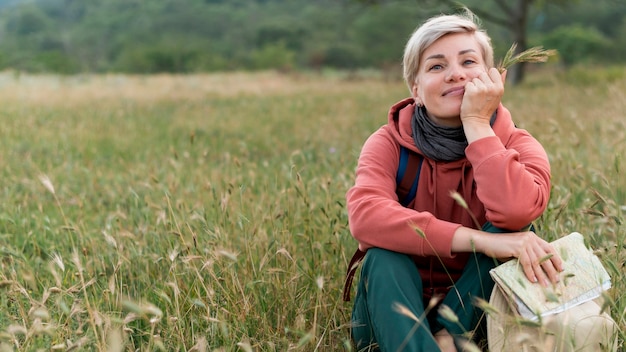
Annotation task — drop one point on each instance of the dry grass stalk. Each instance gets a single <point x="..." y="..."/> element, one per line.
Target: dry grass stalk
<point x="532" y="55"/>
<point x="403" y="310"/>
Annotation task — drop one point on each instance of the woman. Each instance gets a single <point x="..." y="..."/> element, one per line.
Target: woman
<point x="454" y="119"/>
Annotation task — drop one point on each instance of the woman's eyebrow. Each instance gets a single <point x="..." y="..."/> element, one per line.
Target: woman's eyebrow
<point x="441" y="56"/>
<point x="436" y="56"/>
<point x="466" y="51"/>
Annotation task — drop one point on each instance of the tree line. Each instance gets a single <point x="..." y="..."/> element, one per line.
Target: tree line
<point x="186" y="36"/>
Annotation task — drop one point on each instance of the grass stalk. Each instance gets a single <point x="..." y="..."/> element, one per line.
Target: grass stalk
<point x="535" y="54"/>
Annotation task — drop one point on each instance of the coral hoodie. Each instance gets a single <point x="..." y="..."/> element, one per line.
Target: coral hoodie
<point x="504" y="179"/>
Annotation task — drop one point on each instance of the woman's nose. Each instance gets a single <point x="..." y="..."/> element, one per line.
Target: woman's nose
<point x="455" y="73"/>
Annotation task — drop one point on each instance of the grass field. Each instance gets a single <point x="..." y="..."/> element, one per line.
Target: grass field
<point x="207" y="213"/>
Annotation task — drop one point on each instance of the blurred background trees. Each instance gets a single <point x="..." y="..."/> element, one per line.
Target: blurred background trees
<point x="186" y="36"/>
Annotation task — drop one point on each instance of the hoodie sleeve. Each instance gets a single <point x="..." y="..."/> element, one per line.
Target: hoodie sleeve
<point x="512" y="178"/>
<point x="376" y="217"/>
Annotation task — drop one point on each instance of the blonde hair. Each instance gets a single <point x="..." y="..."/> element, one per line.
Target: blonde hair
<point x="433" y="29"/>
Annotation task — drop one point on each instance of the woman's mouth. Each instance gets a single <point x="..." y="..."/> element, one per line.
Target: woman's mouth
<point x="454" y="91"/>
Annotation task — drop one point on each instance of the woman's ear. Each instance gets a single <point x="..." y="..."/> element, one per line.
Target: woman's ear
<point x="415" y="94"/>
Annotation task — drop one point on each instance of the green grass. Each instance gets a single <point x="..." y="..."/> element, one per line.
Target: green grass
<point x="207" y="212"/>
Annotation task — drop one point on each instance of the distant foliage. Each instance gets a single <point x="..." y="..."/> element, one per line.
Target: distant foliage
<point x="577" y="44"/>
<point x="162" y="57"/>
<point x="188" y="36"/>
<point x="620" y="42"/>
<point x="273" y="55"/>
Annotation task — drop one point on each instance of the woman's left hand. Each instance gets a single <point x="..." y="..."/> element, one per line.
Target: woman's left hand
<point x="538" y="258"/>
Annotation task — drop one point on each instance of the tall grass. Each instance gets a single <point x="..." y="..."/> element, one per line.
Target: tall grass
<point x="202" y="213"/>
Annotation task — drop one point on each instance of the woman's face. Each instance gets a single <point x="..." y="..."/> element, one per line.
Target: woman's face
<point x="445" y="67"/>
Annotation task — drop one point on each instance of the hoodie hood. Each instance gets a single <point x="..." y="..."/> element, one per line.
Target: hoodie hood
<point x="399" y="119"/>
<point x="401" y="113"/>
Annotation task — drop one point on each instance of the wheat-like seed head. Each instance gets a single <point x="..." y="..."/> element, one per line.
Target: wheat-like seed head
<point x="448" y="314"/>
<point x="402" y="309"/>
<point x="45" y="180"/>
<point x="534" y="54"/>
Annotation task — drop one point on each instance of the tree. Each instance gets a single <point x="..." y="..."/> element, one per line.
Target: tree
<point x="512" y="15"/>
<point x="515" y="19"/>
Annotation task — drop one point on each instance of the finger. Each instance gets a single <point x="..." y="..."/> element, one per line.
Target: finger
<point x="526" y="260"/>
<point x="470" y="86"/>
<point x="498" y="81"/>
<point x="556" y="259"/>
<point x="554" y="265"/>
<point x="492" y="81"/>
<point x="538" y="267"/>
<point x="503" y="75"/>
<point x="496" y="76"/>
<point x="479" y="85"/>
<point x="550" y="270"/>
<point x="485" y="78"/>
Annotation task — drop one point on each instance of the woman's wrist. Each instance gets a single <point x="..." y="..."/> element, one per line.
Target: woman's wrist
<point x="477" y="129"/>
<point x="466" y="239"/>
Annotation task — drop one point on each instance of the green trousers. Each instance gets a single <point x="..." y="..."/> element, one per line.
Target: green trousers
<point x="390" y="286"/>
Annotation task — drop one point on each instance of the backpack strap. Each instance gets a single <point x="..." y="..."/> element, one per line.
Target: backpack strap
<point x="354" y="264"/>
<point x="407" y="177"/>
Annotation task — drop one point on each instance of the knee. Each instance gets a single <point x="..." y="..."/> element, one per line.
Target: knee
<point x="386" y="264"/>
<point x="383" y="258"/>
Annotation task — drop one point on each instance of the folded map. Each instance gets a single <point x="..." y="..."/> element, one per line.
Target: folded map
<point x="583" y="279"/>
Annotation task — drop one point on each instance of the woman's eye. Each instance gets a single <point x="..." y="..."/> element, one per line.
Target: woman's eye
<point x="435" y="67"/>
<point x="469" y="62"/>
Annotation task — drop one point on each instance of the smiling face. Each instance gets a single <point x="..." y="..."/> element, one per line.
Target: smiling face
<point x="444" y="69"/>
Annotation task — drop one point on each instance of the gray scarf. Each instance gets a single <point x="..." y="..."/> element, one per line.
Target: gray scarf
<point x="438" y="143"/>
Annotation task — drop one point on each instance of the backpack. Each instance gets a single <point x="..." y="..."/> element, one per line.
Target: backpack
<point x="407" y="177"/>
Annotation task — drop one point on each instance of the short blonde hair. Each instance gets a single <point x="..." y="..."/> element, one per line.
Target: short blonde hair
<point x="433" y="29"/>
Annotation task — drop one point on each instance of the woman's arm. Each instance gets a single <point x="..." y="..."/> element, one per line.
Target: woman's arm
<point x="511" y="168"/>
<point x="513" y="180"/>
<point x="377" y="219"/>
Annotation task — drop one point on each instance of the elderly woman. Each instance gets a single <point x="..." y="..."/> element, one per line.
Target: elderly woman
<point x="436" y="252"/>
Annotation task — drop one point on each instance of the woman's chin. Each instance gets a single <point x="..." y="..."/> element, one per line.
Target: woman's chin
<point x="447" y="120"/>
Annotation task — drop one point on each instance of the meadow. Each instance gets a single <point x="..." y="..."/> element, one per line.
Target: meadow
<point x="207" y="212"/>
